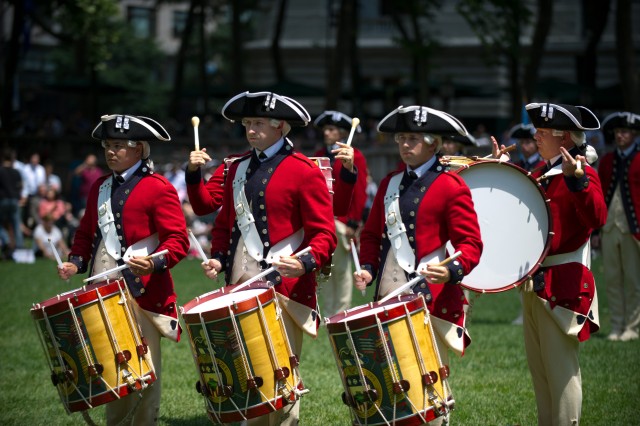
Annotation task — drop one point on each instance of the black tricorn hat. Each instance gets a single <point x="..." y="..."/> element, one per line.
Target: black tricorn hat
<point x="468" y="140"/>
<point x="562" y="117"/>
<point x="129" y="127"/>
<point x="335" y="118"/>
<point x="621" y="120"/>
<point x="268" y="105"/>
<point x="522" y="131"/>
<point x="421" y="119"/>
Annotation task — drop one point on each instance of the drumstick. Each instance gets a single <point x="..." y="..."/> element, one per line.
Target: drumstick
<point x="195" y="121"/>
<point x="125" y="266"/>
<point x="198" y="247"/>
<point x="502" y="151"/>
<point x="356" y="262"/>
<point x="55" y="253"/>
<point x="578" y="171"/>
<point x="267" y="272"/>
<point x="354" y="124"/>
<point x="417" y="279"/>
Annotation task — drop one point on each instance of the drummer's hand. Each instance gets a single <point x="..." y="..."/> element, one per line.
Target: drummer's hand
<point x="289" y="266"/>
<point x="569" y="163"/>
<point x="140" y="266"/>
<point x="361" y="279"/>
<point x="67" y="271"/>
<point x="197" y="159"/>
<point x="436" y="274"/>
<point x="496" y="151"/>
<point x="211" y="268"/>
<point x="344" y="154"/>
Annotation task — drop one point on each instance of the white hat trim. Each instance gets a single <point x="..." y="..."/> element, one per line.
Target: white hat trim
<point x="137" y="120"/>
<point x="457" y="124"/>
<point x="271" y="97"/>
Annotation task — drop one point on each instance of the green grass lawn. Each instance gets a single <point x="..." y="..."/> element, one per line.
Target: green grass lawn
<point x="490" y="384"/>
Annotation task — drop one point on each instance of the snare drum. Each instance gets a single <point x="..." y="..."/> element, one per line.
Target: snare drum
<point x="389" y="363"/>
<point x="255" y="372"/>
<point x="327" y="171"/>
<point x="515" y="224"/>
<point x="93" y="345"/>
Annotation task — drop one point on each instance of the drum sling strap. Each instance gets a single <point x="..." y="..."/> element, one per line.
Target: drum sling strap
<point x="106" y="221"/>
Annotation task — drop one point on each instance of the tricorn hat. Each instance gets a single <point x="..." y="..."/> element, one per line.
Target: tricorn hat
<point x="129" y="127"/>
<point x="268" y="105"/>
<point x="522" y="131"/>
<point x="621" y="120"/>
<point x="335" y="118"/>
<point x="421" y="119"/>
<point x="562" y="117"/>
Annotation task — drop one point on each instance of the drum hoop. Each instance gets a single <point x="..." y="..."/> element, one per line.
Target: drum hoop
<point x="547" y="245"/>
<point x="240" y="307"/>
<point x="79" y="297"/>
<point x="339" y="322"/>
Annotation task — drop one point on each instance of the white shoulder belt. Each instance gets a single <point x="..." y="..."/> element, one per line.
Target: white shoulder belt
<point x="106" y="220"/>
<point x="247" y="226"/>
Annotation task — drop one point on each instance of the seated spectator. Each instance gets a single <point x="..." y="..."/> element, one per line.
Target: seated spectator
<point x="48" y="231"/>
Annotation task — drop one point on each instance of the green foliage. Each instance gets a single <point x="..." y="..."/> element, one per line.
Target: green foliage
<point x="490" y="383"/>
<point x="497" y="23"/>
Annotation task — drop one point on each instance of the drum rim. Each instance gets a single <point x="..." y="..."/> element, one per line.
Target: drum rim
<point x="338" y="323"/>
<point x="78" y="297"/>
<point x="547" y="246"/>
<point x="222" y="312"/>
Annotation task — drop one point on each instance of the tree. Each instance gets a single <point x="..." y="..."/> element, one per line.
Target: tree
<point x="499" y="26"/>
<point x="536" y="51"/>
<point x="340" y="51"/>
<point x="626" y="57"/>
<point x="595" y="16"/>
<point x="410" y="18"/>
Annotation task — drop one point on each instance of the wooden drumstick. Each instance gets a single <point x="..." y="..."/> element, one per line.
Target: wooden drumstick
<point x="355" y="121"/>
<point x="195" y="121"/>
<point x="578" y="171"/>
<point x="507" y="149"/>
<point x="125" y="266"/>
<point x="356" y="261"/>
<point x="417" y="279"/>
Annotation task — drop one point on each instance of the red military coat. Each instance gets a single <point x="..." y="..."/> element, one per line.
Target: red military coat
<point x="349" y="198"/>
<point x="629" y="188"/>
<point x="575" y="213"/>
<point x="150" y="204"/>
<point x="295" y="197"/>
<point x="446" y="213"/>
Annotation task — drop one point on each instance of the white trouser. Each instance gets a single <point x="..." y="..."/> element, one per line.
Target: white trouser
<point x="337" y="290"/>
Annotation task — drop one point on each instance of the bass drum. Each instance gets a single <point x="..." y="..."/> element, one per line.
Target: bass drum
<point x="515" y="224"/>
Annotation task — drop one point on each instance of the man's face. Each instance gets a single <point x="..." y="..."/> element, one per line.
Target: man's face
<point x="260" y="133"/>
<point x="450" y="147"/>
<point x="332" y="134"/>
<point x="528" y="147"/>
<point x="414" y="151"/>
<point x="120" y="156"/>
<point x="548" y="144"/>
<point x="624" y="137"/>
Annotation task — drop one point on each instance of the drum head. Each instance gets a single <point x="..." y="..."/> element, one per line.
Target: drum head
<point x="225" y="300"/>
<point x="515" y="222"/>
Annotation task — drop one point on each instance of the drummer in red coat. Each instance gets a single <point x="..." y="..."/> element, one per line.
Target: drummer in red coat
<point x="137" y="208"/>
<point x="560" y="305"/>
<point x="414" y="214"/>
<point x="286" y="195"/>
<point x="335" y="125"/>
<point x="620" y="238"/>
<point x="529" y="157"/>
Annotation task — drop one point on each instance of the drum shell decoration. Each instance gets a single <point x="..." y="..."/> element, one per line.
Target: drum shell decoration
<point x="252" y="350"/>
<point x="86" y="329"/>
<point x="360" y="326"/>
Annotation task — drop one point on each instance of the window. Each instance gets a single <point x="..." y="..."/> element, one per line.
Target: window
<point x="179" y="22"/>
<point x="142" y="21"/>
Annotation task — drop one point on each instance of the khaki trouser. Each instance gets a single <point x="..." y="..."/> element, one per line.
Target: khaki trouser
<point x="621" y="262"/>
<point x="337" y="290"/>
<point x="553" y="362"/>
<point x="140" y="408"/>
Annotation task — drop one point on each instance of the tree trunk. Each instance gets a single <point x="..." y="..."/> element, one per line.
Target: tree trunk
<point x="543" y="24"/>
<point x="595" y="15"/>
<point x="10" y="69"/>
<point x="276" y="54"/>
<point x="174" y="103"/>
<point x="336" y="65"/>
<point x="626" y="58"/>
<point x="237" y="79"/>
<point x="202" y="59"/>
<point x="356" y="88"/>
